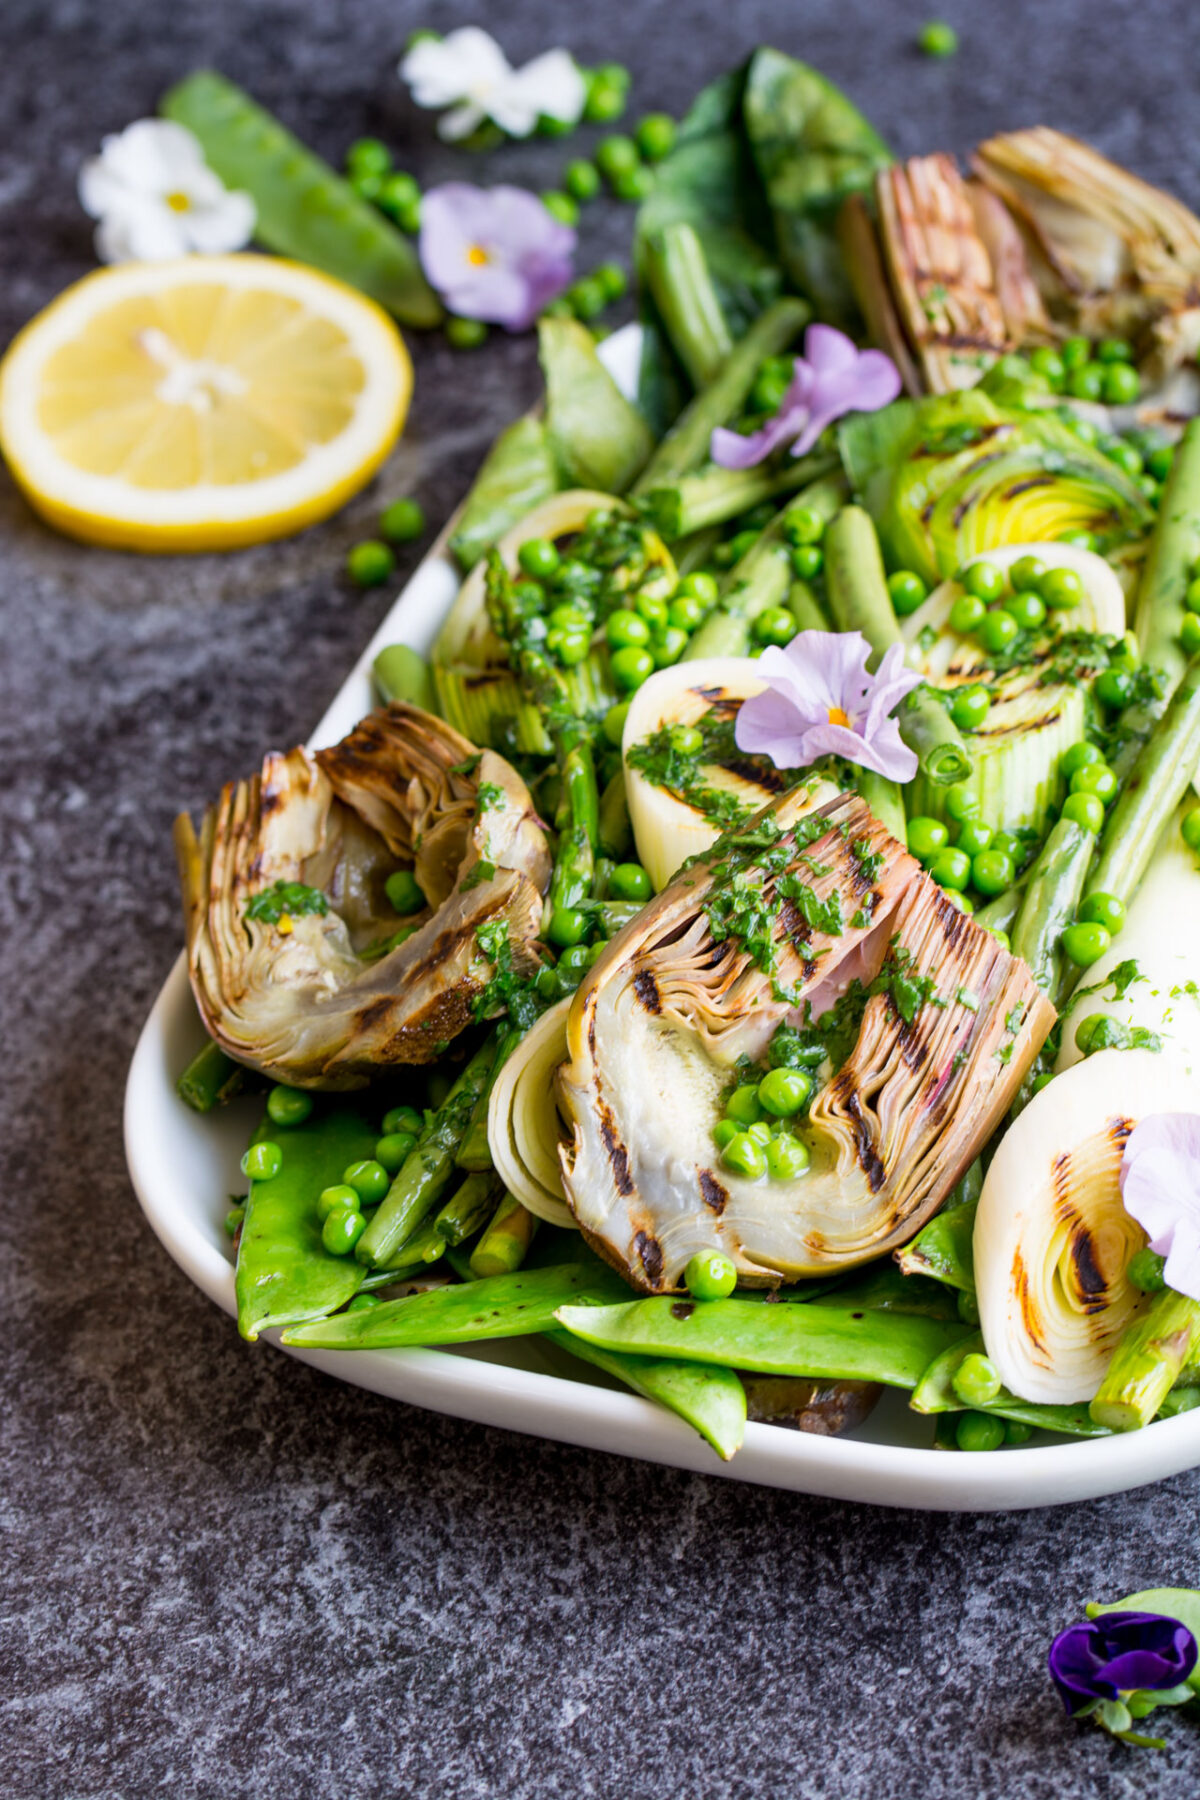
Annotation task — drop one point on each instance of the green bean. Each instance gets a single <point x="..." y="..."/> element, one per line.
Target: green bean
<point x="499" y="1307"/>
<point x="429" y="1165"/>
<point x="713" y="495"/>
<point x="469" y="1208"/>
<point x="934" y="1393"/>
<point x="302" y="208"/>
<point x="210" y="1079"/>
<point x="677" y="275"/>
<point x="712" y="1400"/>
<point x="501" y="1249"/>
<point x="403" y="674"/>
<point x="1147" y="1362"/>
<point x="1051" y="901"/>
<point x="825" y="1342"/>
<point x="685" y="445"/>
<point x="1157" y="783"/>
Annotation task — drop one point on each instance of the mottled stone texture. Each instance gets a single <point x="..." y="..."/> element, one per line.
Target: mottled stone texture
<point x="225" y="1576"/>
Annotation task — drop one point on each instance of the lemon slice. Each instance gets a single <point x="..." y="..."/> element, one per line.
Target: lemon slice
<point x="201" y="403"/>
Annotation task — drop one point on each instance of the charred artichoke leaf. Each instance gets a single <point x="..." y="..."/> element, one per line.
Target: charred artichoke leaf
<point x="776" y="926"/>
<point x="310" y="990"/>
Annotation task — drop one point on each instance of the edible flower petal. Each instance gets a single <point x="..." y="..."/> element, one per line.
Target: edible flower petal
<point x="155" y="197"/>
<point x="1160" y="1188"/>
<point x="493" y="253"/>
<point x="831" y="378"/>
<point x="1103" y="1658"/>
<point x="468" y="72"/>
<point x="820" y="700"/>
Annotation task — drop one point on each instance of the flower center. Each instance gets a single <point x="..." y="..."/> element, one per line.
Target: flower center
<point x="478" y="257"/>
<point x="838" y="717"/>
<point x="178" y="201"/>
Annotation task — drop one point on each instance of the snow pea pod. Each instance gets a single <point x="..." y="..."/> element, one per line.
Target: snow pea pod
<point x="284" y="1272"/>
<point x="498" y="1306"/>
<point x="827" y="1342"/>
<point x="304" y="209"/>
<point x="711" y="1400"/>
<point x="943" y="1248"/>
<point x="934" y="1393"/>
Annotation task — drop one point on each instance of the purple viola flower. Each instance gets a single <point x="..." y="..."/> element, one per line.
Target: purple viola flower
<point x="1105" y="1657"/>
<point x="1160" y="1188"/>
<point x="831" y="378"/>
<point x="819" y="700"/>
<point x="494" y="253"/>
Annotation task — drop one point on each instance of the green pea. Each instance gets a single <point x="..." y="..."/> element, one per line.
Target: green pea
<point x="973" y="836"/>
<point x="288" y="1105"/>
<point x="808" y="560"/>
<point x="1049" y="364"/>
<point x="1095" y="778"/>
<point x="976" y="1380"/>
<point x="952" y="868"/>
<point x="1114" y="350"/>
<point x="1126" y="456"/>
<point x="631" y="666"/>
<point x="1027" y="574"/>
<point x="723" y="1131"/>
<point x="984" y="580"/>
<point x="1085" y="810"/>
<point x="1114" y="687"/>
<point x="626" y="627"/>
<point x="465" y="334"/>
<point x="1103" y="909"/>
<point x="567" y="617"/>
<point x="634" y="186"/>
<point x="567" y="926"/>
<point x="363" y="1303"/>
<point x="369" y="564"/>
<point x="575" y="959"/>
<point x="1150" y="488"/>
<point x="530" y="597"/>
<point x="1017" y="1432"/>
<point x="937" y="39"/>
<point x="710" y="1275"/>
<point x="686" y="739"/>
<point x="612" y="279"/>
<point x="234" y="1219"/>
<point x="970" y="707"/>
<point x="402" y="1118"/>
<point x="1160" y="460"/>
<point x="560" y="206"/>
<point x="546" y="983"/>
<point x="1145" y="1270"/>
<point x="774" y="626"/>
<point x="1085" y="944"/>
<point x="605" y="101"/>
<point x="652" y="608"/>
<point x="616" y="155"/>
<point x="1089" y="1029"/>
<point x="341" y="1231"/>
<point x="369" y="1179"/>
<point x="392" y="1151"/>
<point x="408" y="218"/>
<point x="656" y="136"/>
<point x="1075" y="352"/>
<point x="1029" y="610"/>
<point x="1190" y="828"/>
<point x="784" y="1092"/>
<point x="404" y="895"/>
<point x="539" y="558"/>
<point x="667" y="646"/>
<point x="1086" y="383"/>
<point x="967" y="614"/>
<point x="402" y="521"/>
<point x="262" y="1161"/>
<point x="1079" y="756"/>
<point x="581" y="179"/>
<point x="1121" y="385"/>
<point x="926" y="837"/>
<point x="804" y="525"/>
<point x="978" y="1431"/>
<point x="998" y="632"/>
<point x="339" y="1198"/>
<point x="629" y="881"/>
<point x="744" y="1156"/>
<point x="993" y="871"/>
<point x="702" y="586"/>
<point x="1061" y="589"/>
<point x="787" y="1158"/>
<point x="567" y="977"/>
<point x="768" y="393"/>
<point x="686" y="611"/>
<point x="960" y="803"/>
<point x="399" y="194"/>
<point x="908" y="592"/>
<point x="760" y="1131"/>
<point x="1189" y="633"/>
<point x="588" y="297"/>
<point x="1082" y="540"/>
<point x="368" y="156"/>
<point x="613" y="724"/>
<point x="743" y="1104"/>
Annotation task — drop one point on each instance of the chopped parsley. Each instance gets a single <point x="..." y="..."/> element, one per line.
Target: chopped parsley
<point x="680" y="772"/>
<point x="906" y="988"/>
<point x="820" y="915"/>
<point x="869" y="861"/>
<point x="488" y="795"/>
<point x="1111" y="1034"/>
<point x="506" y="991"/>
<point x="282" y="898"/>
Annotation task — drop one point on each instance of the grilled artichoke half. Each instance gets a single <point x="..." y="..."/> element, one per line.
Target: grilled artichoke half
<point x="706" y="974"/>
<point x="291" y="941"/>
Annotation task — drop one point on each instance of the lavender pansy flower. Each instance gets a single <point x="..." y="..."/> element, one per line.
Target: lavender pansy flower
<point x="819" y="700"/>
<point x="494" y="253"/>
<point x="1118" y="1652"/>
<point x="831" y="378"/>
<point x="1160" y="1188"/>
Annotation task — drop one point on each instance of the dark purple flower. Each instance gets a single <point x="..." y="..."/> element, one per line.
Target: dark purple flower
<point x="831" y="378"/>
<point x="819" y="700"/>
<point x="494" y="253"/>
<point x="1102" y="1658"/>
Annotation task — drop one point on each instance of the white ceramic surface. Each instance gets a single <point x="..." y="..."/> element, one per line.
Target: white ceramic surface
<point x="184" y="1166"/>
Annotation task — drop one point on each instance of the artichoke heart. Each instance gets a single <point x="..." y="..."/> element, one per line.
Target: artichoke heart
<point x="300" y="965"/>
<point x="800" y="913"/>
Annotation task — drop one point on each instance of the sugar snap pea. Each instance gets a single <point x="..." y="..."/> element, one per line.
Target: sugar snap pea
<point x="712" y="1400"/>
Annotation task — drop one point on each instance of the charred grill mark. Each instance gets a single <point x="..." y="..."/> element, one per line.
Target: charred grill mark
<point x="794" y="924"/>
<point x="616" y="1152"/>
<point x="646" y="989"/>
<point x="374" y="1013"/>
<point x="913" y="1047"/>
<point x="714" y="1196"/>
<point x="759" y="773"/>
<point x="1029" y="1313"/>
<point x="683" y="1309"/>
<point x="1088" y="1278"/>
<point x="868" y="1157"/>
<point x="955" y="925"/>
<point x="650" y="1256"/>
<point x="1119" y="1130"/>
<point x="1030" y="482"/>
<point x="1020" y="727"/>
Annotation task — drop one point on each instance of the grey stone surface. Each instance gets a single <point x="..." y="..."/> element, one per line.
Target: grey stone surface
<point x="225" y="1576"/>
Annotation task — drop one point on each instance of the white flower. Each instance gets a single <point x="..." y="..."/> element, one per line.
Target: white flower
<point x="467" y="71"/>
<point x="156" y="197"/>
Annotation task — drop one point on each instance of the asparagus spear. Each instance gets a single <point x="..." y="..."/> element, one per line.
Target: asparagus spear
<point x="677" y="275"/>
<point x="427" y="1169"/>
<point x="826" y="1342"/>
<point x="474" y="1155"/>
<point x="712" y="495"/>
<point x="1147" y="1362"/>
<point x="712" y="1400"/>
<point x="1173" y="553"/>
<point x="859" y="601"/>
<point x="416" y="1253"/>
<point x="210" y="1079"/>
<point x="1052" y="897"/>
<point x="469" y="1208"/>
<point x="501" y="1249"/>
<point x="503" y="1306"/>
<point x="1157" y="783"/>
<point x="685" y="445"/>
